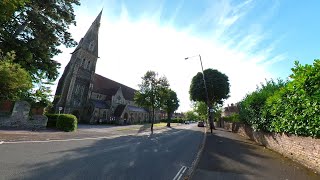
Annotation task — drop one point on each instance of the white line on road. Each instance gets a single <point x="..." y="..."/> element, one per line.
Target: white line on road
<point x="59" y="140"/>
<point x="180" y="172"/>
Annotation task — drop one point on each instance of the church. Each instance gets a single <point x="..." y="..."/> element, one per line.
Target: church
<point x="92" y="97"/>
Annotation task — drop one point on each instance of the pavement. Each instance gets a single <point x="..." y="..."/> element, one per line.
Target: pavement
<point x="121" y="152"/>
<point x="229" y="156"/>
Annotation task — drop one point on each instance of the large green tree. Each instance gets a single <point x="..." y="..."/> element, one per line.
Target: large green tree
<point x="151" y="92"/>
<point x="218" y="89"/>
<point x="171" y="103"/>
<point x="15" y="81"/>
<point x="34" y="29"/>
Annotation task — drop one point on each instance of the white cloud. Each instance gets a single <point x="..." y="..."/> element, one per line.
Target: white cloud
<point x="128" y="48"/>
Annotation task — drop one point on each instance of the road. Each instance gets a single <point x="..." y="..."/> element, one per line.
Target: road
<point x="163" y="155"/>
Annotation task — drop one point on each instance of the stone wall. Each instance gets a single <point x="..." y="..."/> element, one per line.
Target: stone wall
<point x="20" y="118"/>
<point x="305" y="150"/>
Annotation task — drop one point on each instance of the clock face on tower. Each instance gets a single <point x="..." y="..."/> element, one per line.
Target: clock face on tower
<point x="91" y="46"/>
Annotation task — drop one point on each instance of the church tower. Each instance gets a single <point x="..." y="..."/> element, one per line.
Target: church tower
<point x="75" y="85"/>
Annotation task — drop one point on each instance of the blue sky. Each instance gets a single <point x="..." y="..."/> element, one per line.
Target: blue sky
<point x="249" y="41"/>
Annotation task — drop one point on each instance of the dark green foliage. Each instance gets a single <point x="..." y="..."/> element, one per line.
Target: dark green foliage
<point x="233" y="118"/>
<point x="171" y="103"/>
<point x="217" y="85"/>
<point x="174" y="120"/>
<point x="152" y="92"/>
<point x="15" y="82"/>
<point x="295" y="108"/>
<point x="291" y="107"/>
<point x="67" y="122"/>
<point x="34" y="29"/>
<point x="252" y="107"/>
<point x="52" y="120"/>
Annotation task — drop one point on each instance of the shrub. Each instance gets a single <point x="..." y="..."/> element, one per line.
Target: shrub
<point x="233" y="118"/>
<point x="52" y="120"/>
<point x="67" y="122"/>
<point x="295" y="108"/>
<point x="252" y="107"/>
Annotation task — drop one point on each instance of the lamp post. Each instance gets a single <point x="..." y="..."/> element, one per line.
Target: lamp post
<point x="206" y="91"/>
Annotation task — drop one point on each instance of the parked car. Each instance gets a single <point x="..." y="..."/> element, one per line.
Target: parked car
<point x="200" y="124"/>
<point x="186" y="122"/>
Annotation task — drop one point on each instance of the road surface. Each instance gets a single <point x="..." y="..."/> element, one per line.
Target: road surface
<point x="163" y="155"/>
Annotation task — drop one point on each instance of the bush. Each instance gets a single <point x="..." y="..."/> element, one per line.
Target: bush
<point x="233" y="118"/>
<point x="52" y="120"/>
<point x="252" y="107"/>
<point x="67" y="122"/>
<point x="295" y="108"/>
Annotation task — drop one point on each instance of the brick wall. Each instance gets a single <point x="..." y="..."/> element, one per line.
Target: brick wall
<point x="305" y="150"/>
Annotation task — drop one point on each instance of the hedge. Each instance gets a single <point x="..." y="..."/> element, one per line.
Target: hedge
<point x="67" y="122"/>
<point x="290" y="107"/>
<point x="52" y="120"/>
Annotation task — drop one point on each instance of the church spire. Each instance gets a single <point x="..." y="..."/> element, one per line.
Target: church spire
<point x="90" y="41"/>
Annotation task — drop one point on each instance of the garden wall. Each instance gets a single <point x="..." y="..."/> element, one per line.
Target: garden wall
<point x="20" y="118"/>
<point x="305" y="150"/>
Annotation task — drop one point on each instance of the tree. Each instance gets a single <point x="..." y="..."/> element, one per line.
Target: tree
<point x="34" y="29"/>
<point x="15" y="81"/>
<point x="201" y="109"/>
<point x="218" y="89"/>
<point x="8" y="7"/>
<point x="191" y="115"/>
<point x="171" y="103"/>
<point x="151" y="92"/>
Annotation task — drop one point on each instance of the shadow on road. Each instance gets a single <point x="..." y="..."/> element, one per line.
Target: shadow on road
<point x="125" y="157"/>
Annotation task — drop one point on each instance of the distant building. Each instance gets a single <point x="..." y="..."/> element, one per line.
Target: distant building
<point x="92" y="97"/>
<point x="229" y="110"/>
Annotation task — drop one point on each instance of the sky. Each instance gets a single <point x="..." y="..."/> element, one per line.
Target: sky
<point x="249" y="41"/>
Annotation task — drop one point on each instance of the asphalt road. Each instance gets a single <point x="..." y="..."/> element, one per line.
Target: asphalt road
<point x="165" y="155"/>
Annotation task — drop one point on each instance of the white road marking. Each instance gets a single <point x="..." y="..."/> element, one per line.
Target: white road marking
<point x="59" y="140"/>
<point x="180" y="173"/>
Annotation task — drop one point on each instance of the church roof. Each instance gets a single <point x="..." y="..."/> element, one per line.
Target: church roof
<point x="136" y="109"/>
<point x="109" y="87"/>
<point x="100" y="104"/>
<point x="119" y="110"/>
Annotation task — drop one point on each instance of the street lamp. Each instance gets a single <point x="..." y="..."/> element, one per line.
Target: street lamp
<point x="207" y="96"/>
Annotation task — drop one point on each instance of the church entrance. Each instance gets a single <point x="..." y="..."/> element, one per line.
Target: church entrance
<point x="125" y="117"/>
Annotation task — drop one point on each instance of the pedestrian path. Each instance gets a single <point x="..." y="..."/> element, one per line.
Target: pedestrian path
<point x="229" y="156"/>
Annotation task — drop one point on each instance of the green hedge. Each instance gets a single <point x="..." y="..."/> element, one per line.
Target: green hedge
<point x="174" y="120"/>
<point x="291" y="107"/>
<point x="67" y="122"/>
<point x="233" y="118"/>
<point x="52" y="120"/>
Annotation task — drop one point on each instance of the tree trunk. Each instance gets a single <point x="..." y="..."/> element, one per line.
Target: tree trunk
<point x="152" y="121"/>
<point x="169" y="120"/>
<point x="211" y="118"/>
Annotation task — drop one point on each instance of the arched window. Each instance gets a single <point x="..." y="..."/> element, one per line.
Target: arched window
<point x="88" y="65"/>
<point x="83" y="62"/>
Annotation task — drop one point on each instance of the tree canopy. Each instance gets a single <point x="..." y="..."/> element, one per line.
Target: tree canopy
<point x="171" y="103"/>
<point x="217" y="85"/>
<point x="151" y="92"/>
<point x="15" y="81"/>
<point x="34" y="29"/>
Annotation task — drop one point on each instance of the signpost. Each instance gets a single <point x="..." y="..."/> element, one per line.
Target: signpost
<point x="60" y="108"/>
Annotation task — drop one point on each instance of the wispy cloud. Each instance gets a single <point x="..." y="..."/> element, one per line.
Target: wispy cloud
<point x="129" y="47"/>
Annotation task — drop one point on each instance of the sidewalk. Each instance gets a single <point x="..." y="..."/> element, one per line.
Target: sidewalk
<point x="229" y="156"/>
<point x="84" y="131"/>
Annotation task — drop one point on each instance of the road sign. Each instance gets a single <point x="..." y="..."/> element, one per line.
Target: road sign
<point x="60" y="108"/>
<point x="211" y="110"/>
